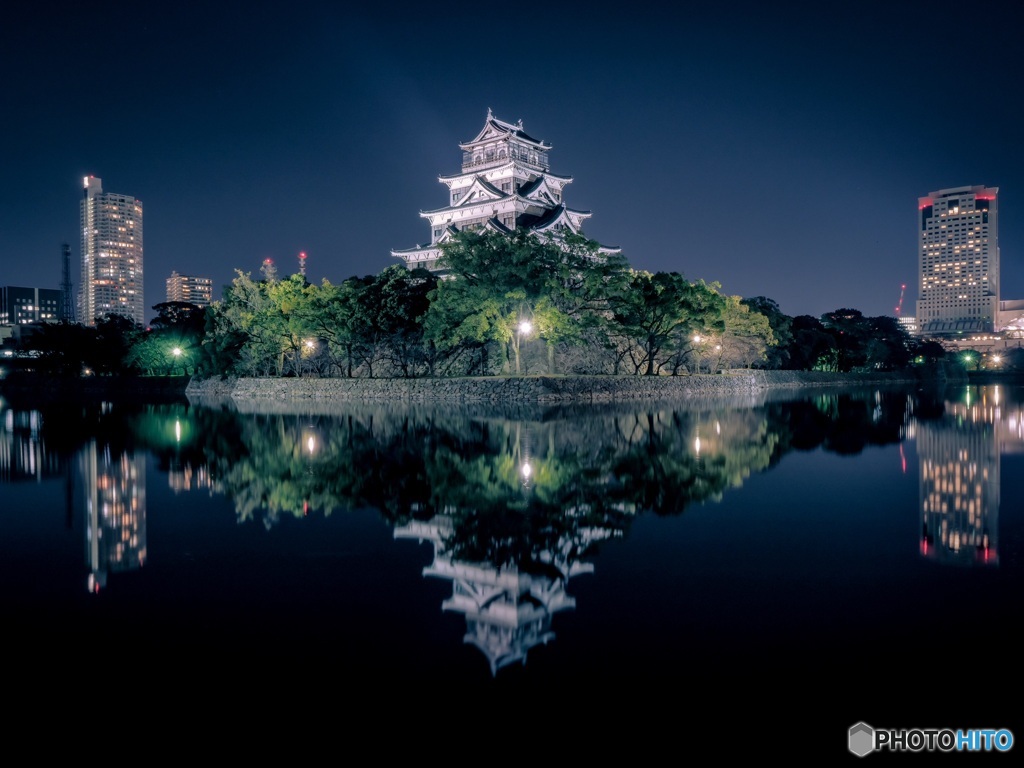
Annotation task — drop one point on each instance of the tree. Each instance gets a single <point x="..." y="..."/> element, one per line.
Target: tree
<point x="812" y="346"/>
<point x="497" y="282"/>
<point x="239" y="337"/>
<point x="387" y="311"/>
<point x="781" y="324"/>
<point x="850" y="335"/>
<point x="63" y="347"/>
<point x="888" y="347"/>
<point x="656" y="312"/>
<point x="115" y="336"/>
<point x="745" y="337"/>
<point x="173" y="340"/>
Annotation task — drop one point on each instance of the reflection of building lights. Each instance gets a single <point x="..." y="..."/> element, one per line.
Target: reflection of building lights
<point x="311" y="444"/>
<point x="526" y="470"/>
<point x="177" y="430"/>
<point x="696" y="445"/>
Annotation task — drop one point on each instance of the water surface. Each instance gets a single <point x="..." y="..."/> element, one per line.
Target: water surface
<point x="796" y="560"/>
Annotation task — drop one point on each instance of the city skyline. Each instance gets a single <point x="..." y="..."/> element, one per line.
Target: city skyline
<point x="777" y="151"/>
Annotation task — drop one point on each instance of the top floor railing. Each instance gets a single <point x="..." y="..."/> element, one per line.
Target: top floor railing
<point x="476" y="159"/>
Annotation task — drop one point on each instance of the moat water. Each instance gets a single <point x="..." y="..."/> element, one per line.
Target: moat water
<point x="801" y="560"/>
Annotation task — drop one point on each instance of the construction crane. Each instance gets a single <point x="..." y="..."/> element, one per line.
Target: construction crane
<point x="899" y="304"/>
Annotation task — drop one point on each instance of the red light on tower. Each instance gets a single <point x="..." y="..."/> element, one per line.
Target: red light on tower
<point x="302" y="263"/>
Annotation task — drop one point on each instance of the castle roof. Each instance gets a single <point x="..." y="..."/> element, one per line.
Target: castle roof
<point x="495" y="128"/>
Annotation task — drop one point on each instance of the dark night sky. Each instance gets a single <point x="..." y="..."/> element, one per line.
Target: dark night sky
<point x="777" y="148"/>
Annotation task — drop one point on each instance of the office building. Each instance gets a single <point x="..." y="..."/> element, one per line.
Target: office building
<point x="112" y="264"/>
<point x="189" y="288"/>
<point x="505" y="184"/>
<point x="958" y="253"/>
<point x="21" y="306"/>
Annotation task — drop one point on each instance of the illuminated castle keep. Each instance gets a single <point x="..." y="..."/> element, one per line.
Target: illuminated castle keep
<point x="505" y="184"/>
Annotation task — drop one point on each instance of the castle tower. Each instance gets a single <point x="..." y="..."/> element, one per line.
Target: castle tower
<point x="505" y="184"/>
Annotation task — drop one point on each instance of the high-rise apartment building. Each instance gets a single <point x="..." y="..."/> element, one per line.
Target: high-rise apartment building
<point x="111" y="255"/>
<point x="958" y="267"/>
<point x="194" y="290"/>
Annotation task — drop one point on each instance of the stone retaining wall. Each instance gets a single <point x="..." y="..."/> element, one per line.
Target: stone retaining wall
<point x="528" y="389"/>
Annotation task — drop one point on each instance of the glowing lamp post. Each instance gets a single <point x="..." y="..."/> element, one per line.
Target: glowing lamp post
<point x="523" y="329"/>
<point x="177" y="352"/>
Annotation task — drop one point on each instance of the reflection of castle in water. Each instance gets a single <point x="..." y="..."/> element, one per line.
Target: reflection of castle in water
<point x="509" y="608"/>
<point x="959" y="483"/>
<point x="115" y="512"/>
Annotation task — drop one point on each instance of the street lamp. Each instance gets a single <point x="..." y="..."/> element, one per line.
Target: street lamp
<point x="177" y="352"/>
<point x="524" y="328"/>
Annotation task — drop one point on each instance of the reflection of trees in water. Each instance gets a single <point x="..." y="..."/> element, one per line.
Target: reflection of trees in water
<point x="596" y="466"/>
<point x="601" y="466"/>
<point x="417" y="465"/>
<point x="843" y="422"/>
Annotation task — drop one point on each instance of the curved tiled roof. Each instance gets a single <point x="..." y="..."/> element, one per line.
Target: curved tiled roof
<point x="512" y="129"/>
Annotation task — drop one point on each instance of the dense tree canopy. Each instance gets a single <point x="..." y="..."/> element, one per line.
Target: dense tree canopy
<point x="506" y="304"/>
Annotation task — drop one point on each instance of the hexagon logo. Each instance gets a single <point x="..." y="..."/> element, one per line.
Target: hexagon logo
<point x="862" y="739"/>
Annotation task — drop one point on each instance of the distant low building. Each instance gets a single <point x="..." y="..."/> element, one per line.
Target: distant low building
<point x="190" y="288"/>
<point x="21" y="306"/>
<point x="909" y="324"/>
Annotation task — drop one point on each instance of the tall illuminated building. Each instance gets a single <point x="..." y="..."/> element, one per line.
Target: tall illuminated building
<point x="958" y="260"/>
<point x="111" y="255"/>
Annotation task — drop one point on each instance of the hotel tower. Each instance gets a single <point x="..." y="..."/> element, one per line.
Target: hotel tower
<point x="111" y="255"/>
<point x="958" y="238"/>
